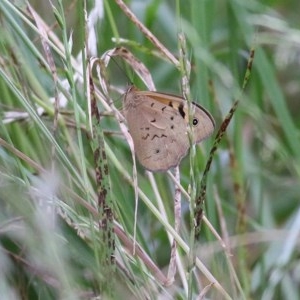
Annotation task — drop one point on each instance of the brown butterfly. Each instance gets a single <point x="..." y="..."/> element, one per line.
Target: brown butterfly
<point x="158" y="124"/>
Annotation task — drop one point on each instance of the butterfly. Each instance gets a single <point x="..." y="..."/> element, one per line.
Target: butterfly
<point x="159" y="125"/>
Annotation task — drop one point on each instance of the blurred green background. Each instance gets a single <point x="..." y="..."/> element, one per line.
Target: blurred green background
<point x="49" y="233"/>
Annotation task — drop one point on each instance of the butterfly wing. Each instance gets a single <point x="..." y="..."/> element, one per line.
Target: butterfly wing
<point x="159" y="142"/>
<point x="203" y="122"/>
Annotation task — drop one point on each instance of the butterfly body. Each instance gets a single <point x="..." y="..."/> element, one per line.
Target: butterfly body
<point x="159" y="124"/>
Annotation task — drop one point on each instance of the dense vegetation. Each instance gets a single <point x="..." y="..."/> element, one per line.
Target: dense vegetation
<point x="58" y="219"/>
